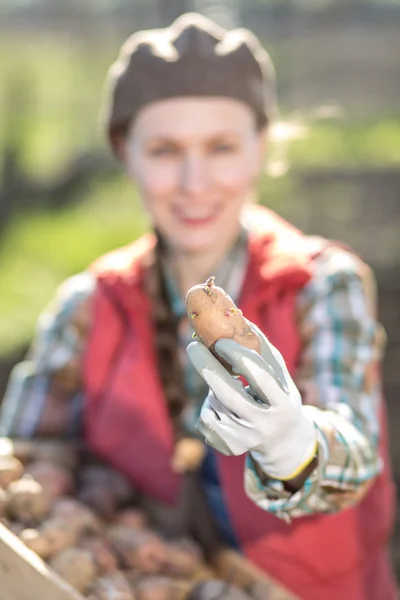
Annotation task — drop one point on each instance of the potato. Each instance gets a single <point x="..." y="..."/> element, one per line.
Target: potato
<point x="76" y="566"/>
<point x="133" y="577"/>
<point x="36" y="541"/>
<point x="217" y="589"/>
<point x="63" y="454"/>
<point x="11" y="469"/>
<point x="140" y="549"/>
<point x="15" y="527"/>
<point x="100" y="498"/>
<point x="183" y="558"/>
<point x="21" y="449"/>
<point x="6" y="447"/>
<point x="158" y="587"/>
<point x="101" y="551"/>
<point x="170" y="521"/>
<point x="132" y="518"/>
<point x="113" y="587"/>
<point x="109" y="479"/>
<point x="3" y="503"/>
<point x="188" y="455"/>
<point x="179" y="587"/>
<point x="81" y="519"/>
<point x="55" y="480"/>
<point x="27" y="501"/>
<point x="214" y="315"/>
<point x="58" y="534"/>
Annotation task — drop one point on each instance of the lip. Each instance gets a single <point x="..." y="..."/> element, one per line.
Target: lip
<point x="198" y="221"/>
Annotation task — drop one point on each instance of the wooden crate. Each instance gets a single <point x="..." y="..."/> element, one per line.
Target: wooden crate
<point x="24" y="576"/>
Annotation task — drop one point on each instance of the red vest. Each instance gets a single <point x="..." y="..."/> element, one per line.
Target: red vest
<point x="321" y="557"/>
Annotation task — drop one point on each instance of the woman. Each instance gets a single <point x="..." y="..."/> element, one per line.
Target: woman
<point x="187" y="113"/>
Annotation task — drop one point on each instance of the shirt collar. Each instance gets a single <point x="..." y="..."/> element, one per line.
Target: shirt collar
<point x="229" y="274"/>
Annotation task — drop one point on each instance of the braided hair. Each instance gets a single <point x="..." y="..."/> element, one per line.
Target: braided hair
<point x="166" y="339"/>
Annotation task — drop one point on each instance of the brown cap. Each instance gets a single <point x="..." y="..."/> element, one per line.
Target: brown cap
<point x="192" y="57"/>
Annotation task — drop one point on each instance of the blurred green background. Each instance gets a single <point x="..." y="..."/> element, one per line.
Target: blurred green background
<point x="49" y="127"/>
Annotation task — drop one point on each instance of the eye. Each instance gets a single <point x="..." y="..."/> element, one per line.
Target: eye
<point x="163" y="150"/>
<point x="223" y="148"/>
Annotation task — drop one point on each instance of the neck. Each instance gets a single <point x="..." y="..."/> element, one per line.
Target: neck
<point x="193" y="268"/>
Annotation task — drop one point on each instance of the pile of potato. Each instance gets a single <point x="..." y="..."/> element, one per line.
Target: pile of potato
<point x="87" y="525"/>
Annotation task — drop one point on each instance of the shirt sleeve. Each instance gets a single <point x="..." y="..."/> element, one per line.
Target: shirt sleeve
<point x="44" y="392"/>
<point x="339" y="381"/>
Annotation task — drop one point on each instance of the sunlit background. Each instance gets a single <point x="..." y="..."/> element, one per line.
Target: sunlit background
<point x="333" y="166"/>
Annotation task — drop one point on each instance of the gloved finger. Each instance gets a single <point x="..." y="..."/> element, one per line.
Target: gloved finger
<point x="262" y="378"/>
<point x="272" y="365"/>
<point x="221" y="430"/>
<point x="270" y="354"/>
<point x="229" y="391"/>
<point x="219" y="409"/>
<point x="227" y="419"/>
<point x="209" y="424"/>
<point x="213" y="439"/>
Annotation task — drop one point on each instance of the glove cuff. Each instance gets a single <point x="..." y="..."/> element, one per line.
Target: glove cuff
<point x="293" y="455"/>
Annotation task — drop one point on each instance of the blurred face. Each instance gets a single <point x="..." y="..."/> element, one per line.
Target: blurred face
<point x="195" y="161"/>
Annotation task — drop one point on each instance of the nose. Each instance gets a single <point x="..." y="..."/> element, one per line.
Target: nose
<point x="193" y="175"/>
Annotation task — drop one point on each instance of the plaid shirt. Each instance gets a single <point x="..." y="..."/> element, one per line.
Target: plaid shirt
<point x="336" y="374"/>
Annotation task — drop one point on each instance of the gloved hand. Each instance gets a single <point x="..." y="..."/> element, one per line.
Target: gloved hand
<point x="265" y="418"/>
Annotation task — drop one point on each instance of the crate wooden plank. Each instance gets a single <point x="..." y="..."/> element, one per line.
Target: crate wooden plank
<point x="236" y="569"/>
<point x="24" y="576"/>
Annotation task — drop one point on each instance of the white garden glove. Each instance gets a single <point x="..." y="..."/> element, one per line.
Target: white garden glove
<point x="265" y="418"/>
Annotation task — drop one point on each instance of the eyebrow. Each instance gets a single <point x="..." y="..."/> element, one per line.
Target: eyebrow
<point x="170" y="137"/>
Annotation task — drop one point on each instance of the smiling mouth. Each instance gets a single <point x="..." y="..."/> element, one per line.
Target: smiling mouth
<point x="196" y="218"/>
